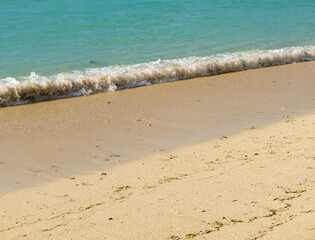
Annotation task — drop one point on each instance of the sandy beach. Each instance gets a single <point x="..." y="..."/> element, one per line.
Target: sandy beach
<point x="222" y="157"/>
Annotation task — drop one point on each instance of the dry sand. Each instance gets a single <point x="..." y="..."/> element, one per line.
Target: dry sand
<point x="258" y="184"/>
<point x="186" y="180"/>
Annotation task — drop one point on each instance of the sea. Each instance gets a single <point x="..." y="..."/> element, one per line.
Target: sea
<point x="52" y="49"/>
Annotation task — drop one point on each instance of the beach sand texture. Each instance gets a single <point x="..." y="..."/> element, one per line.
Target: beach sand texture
<point x="223" y="157"/>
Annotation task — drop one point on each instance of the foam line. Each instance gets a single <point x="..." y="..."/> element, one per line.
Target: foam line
<point x="36" y="88"/>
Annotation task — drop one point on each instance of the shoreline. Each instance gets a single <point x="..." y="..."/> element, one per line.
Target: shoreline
<point x="37" y="88"/>
<point x="48" y="140"/>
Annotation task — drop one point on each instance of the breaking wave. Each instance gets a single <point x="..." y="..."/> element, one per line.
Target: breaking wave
<point x="36" y="88"/>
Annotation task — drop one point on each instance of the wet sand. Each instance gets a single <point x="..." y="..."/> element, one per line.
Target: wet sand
<point x="202" y="166"/>
<point x="46" y="140"/>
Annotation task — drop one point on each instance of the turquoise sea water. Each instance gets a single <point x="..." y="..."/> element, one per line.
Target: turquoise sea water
<point x="40" y="39"/>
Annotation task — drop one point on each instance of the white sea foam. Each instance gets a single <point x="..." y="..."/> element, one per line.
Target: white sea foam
<point x="36" y="88"/>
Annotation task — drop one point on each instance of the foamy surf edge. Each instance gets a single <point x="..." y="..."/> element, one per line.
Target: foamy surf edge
<point x="35" y="88"/>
